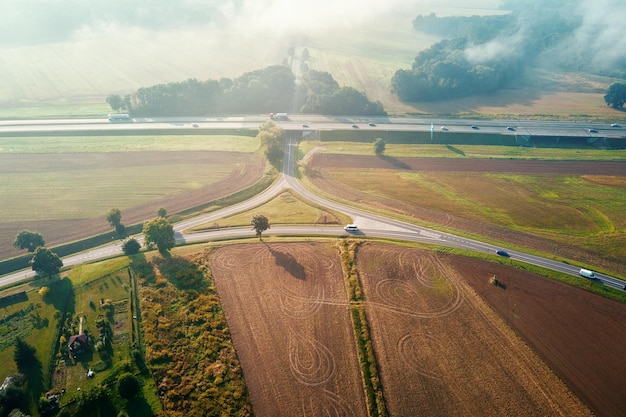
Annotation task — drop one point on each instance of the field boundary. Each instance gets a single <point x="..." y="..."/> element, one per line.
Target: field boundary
<point x="372" y="386"/>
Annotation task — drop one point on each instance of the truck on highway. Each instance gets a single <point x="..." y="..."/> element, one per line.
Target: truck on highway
<point x="585" y="273"/>
<point x="279" y="116"/>
<point x="119" y="117"/>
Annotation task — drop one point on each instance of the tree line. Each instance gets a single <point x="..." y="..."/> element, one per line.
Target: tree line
<point x="482" y="54"/>
<point x="271" y="89"/>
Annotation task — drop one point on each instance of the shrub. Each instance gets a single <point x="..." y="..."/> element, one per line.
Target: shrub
<point x="128" y="385"/>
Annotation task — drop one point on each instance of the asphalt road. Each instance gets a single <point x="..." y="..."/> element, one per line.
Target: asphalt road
<point x="298" y="122"/>
<point x="369" y="224"/>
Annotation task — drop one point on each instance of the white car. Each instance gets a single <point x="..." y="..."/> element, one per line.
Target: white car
<point x="351" y="228"/>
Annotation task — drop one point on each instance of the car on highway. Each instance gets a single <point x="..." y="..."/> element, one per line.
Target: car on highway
<point x="305" y="125"/>
<point x="502" y="252"/>
<point x="615" y="125"/>
<point x="355" y="126"/>
<point x="593" y="131"/>
<point x="194" y="125"/>
<point x="444" y="128"/>
<point x="474" y="127"/>
<point x="351" y="228"/>
<point x="510" y="128"/>
<point x="372" y="124"/>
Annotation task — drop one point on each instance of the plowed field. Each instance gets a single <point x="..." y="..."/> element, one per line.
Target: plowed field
<point x="440" y="349"/>
<point x="288" y="314"/>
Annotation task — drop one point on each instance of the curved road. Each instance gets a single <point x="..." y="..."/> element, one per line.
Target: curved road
<point x="369" y="225"/>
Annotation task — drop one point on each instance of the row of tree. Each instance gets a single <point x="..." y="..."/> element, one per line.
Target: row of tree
<point x="266" y="90"/>
<point x="481" y="54"/>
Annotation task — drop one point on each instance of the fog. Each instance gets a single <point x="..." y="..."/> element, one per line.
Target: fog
<point x="31" y="22"/>
<point x="143" y="42"/>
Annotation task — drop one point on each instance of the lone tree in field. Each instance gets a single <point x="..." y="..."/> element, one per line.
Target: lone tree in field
<point x="159" y="232"/>
<point x="616" y="95"/>
<point x="45" y="261"/>
<point x="25" y="239"/>
<point x="161" y="212"/>
<point x="114" y="217"/>
<point x="260" y="224"/>
<point x="379" y="146"/>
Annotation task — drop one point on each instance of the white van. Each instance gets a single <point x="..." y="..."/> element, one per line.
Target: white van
<point x="587" y="274"/>
<point x="351" y="228"/>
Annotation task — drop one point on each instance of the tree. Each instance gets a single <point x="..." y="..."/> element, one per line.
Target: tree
<point x="616" y="95"/>
<point x="46" y="261"/>
<point x="128" y="385"/>
<point x="25" y="239"/>
<point x="161" y="212"/>
<point x="260" y="224"/>
<point x="114" y="217"/>
<point x="12" y="398"/>
<point x="159" y="232"/>
<point x="115" y="101"/>
<point x="131" y="247"/>
<point x="379" y="146"/>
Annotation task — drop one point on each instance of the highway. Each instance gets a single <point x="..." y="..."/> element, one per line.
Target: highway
<point x="369" y="224"/>
<point x="313" y="122"/>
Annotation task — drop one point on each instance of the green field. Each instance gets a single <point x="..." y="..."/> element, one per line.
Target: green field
<point x="465" y="151"/>
<point x="75" y="177"/>
<point x="140" y="143"/>
<point x="286" y="208"/>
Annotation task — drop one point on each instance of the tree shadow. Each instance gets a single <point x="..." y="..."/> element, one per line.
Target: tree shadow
<point x="394" y="161"/>
<point x="288" y="263"/>
<point x="181" y="272"/>
<point x="139" y="406"/>
<point x="455" y="150"/>
<point x="61" y="295"/>
<point x="33" y="372"/>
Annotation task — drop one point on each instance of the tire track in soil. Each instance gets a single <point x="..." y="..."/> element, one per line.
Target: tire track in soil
<point x="399" y="294"/>
<point x="333" y="406"/>
<point x="310" y="362"/>
<point x="298" y="293"/>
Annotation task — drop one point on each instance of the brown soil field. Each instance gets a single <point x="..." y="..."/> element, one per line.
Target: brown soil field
<point x="246" y="170"/>
<point x="288" y="314"/>
<point x="579" y="335"/>
<point x="440" y="331"/>
<point x="320" y="162"/>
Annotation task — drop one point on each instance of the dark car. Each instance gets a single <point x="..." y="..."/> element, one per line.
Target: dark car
<point x="512" y="129"/>
<point x="305" y="125"/>
<point x="474" y="127"/>
<point x="355" y="126"/>
<point x="593" y="131"/>
<point x="502" y="252"/>
<point x="614" y="125"/>
<point x="372" y="124"/>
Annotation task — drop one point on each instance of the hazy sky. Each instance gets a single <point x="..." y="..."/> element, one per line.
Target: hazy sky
<point x="24" y="22"/>
<point x="49" y="48"/>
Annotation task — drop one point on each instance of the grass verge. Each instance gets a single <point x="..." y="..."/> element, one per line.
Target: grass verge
<point x="376" y="406"/>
